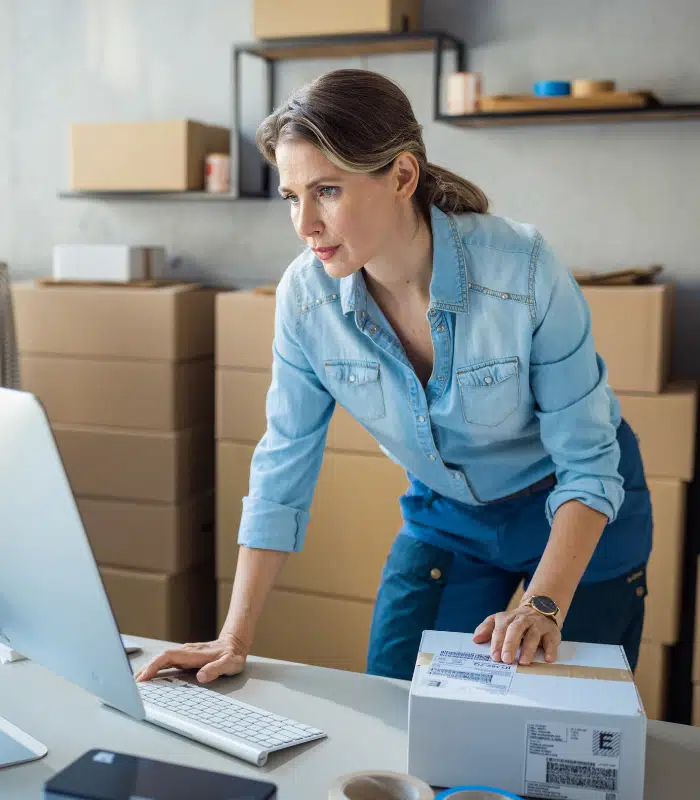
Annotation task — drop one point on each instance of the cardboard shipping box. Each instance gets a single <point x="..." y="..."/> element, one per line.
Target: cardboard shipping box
<point x="665" y="570"/>
<point x="309" y="629"/>
<point x="240" y="413"/>
<point x="298" y="18"/>
<point x="343" y="553"/>
<point x="144" y="156"/>
<point x="148" y="395"/>
<point x="177" y="608"/>
<point x="157" y="537"/>
<point x="651" y="677"/>
<point x="245" y="326"/>
<point x="580" y="717"/>
<point x="632" y="332"/>
<point x="168" y="323"/>
<point x="143" y="466"/>
<point x="665" y="425"/>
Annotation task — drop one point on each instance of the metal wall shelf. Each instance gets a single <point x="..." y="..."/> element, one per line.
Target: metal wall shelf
<point x="574" y="116"/>
<point x="208" y="197"/>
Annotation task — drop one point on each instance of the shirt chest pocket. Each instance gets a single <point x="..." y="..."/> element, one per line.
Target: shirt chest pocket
<point x="489" y="391"/>
<point x="357" y="386"/>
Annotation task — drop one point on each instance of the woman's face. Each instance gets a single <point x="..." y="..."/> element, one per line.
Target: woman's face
<point x="347" y="218"/>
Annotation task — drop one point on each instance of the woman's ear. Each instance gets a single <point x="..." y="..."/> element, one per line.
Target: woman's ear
<point x="405" y="174"/>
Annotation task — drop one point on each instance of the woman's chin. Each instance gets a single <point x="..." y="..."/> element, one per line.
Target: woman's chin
<point x="340" y="269"/>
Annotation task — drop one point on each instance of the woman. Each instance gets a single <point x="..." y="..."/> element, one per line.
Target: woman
<point x="463" y="345"/>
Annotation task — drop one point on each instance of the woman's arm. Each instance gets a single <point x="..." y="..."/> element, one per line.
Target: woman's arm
<point x="578" y="427"/>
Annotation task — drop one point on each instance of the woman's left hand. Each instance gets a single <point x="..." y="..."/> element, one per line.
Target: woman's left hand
<point x="522" y="628"/>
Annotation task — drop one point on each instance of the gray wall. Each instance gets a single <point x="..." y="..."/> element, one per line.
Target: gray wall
<point x="605" y="196"/>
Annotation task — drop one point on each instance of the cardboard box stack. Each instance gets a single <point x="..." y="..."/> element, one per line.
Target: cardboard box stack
<point x="320" y="611"/>
<point x="632" y="331"/>
<point x="126" y="377"/>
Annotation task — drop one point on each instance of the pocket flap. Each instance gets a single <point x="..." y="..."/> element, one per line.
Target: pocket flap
<point x="488" y="373"/>
<point x="353" y="372"/>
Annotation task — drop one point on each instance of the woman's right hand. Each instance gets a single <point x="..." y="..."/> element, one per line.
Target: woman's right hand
<point x="223" y="656"/>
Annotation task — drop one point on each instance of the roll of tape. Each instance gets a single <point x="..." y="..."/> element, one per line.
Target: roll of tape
<point x="379" y="786"/>
<point x="552" y="88"/>
<point x="476" y="793"/>
<point x="585" y="88"/>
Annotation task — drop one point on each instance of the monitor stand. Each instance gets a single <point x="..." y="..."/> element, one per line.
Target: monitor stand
<point x="17" y="747"/>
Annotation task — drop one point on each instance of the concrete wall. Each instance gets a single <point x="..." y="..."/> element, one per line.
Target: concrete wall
<point x="605" y="196"/>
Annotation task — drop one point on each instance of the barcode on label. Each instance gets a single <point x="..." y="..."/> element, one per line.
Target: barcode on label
<point x="470" y="656"/>
<point x="478" y="677"/>
<point x="584" y="774"/>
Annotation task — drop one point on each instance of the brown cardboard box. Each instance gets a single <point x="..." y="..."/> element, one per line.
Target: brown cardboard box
<point x="696" y="653"/>
<point x="168" y="323"/>
<point x="137" y="465"/>
<point x="665" y="424"/>
<point x="309" y="629"/>
<point x="142" y="156"/>
<point x="661" y="624"/>
<point x="343" y="553"/>
<point x="177" y="608"/>
<point x="161" y="538"/>
<point x="245" y="325"/>
<point x="240" y="413"/>
<point x="273" y="20"/>
<point x="632" y="332"/>
<point x="696" y="706"/>
<point x="150" y="395"/>
<point x="651" y="677"/>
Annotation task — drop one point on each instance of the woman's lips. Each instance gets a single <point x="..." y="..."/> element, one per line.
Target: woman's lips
<point x="324" y="253"/>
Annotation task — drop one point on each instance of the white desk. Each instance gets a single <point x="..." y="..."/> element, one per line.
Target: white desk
<point x="365" y="718"/>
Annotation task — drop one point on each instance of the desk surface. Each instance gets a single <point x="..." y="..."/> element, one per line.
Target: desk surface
<point x="365" y="718"/>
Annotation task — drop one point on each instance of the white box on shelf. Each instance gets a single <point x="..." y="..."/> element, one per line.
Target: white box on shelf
<point x="108" y="262"/>
<point x="574" y="730"/>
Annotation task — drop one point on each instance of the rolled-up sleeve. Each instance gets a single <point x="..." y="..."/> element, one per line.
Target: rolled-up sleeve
<point x="287" y="460"/>
<point x="577" y="410"/>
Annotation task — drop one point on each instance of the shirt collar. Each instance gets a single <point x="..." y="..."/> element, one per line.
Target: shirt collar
<point x="448" y="285"/>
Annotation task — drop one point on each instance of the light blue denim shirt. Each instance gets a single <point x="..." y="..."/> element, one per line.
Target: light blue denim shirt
<point x="517" y="390"/>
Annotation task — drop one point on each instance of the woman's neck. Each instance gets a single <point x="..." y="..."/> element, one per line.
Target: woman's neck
<point x="404" y="272"/>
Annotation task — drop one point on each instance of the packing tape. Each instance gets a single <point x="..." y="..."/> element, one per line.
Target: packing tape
<point x="584" y="88"/>
<point x="380" y="786"/>
<point x="477" y="793"/>
<point x="557" y="670"/>
<point x="552" y="88"/>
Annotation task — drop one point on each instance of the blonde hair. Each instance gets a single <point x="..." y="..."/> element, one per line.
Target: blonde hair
<point x="361" y="121"/>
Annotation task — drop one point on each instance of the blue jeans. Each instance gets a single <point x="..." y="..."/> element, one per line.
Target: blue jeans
<point x="452" y="565"/>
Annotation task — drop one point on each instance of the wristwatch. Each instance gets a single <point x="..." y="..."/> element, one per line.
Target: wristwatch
<point x="544" y="605"/>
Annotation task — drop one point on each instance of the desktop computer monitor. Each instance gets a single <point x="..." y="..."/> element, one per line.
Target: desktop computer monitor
<point x="53" y="606"/>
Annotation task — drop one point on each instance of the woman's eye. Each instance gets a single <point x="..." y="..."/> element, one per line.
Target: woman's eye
<point x="328" y="191"/>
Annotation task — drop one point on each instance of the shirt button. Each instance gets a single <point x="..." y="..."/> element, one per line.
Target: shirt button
<point x="441" y="377"/>
<point x="432" y="312"/>
<point x="435" y="574"/>
<point x="421" y="418"/>
<point x="431" y="457"/>
<point x="441" y="328"/>
<point x="334" y="297"/>
<point x="362" y="313"/>
<point x="488" y="380"/>
<point x="373" y="329"/>
<point x="352" y="379"/>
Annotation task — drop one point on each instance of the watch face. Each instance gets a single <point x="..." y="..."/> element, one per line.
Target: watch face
<point x="545" y="604"/>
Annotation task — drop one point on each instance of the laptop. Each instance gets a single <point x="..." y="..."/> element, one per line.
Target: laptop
<point x="54" y="609"/>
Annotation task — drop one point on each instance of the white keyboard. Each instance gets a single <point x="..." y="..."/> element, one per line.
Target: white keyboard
<point x="220" y="721"/>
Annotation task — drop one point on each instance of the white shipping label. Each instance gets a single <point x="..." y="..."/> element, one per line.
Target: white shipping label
<point x="469" y="670"/>
<point x="571" y="762"/>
